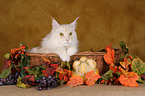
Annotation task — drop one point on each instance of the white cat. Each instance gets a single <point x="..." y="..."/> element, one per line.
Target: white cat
<point x="62" y="40"/>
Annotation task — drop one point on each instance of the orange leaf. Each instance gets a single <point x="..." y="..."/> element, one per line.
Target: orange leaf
<point x="75" y="80"/>
<point x="126" y="63"/>
<point x="131" y="82"/>
<point x="109" y="57"/>
<point x="108" y="46"/>
<point x="129" y="74"/>
<point x="64" y="74"/>
<point x="114" y="69"/>
<point x="91" y="78"/>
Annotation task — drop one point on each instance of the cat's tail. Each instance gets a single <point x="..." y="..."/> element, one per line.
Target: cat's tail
<point x="34" y="50"/>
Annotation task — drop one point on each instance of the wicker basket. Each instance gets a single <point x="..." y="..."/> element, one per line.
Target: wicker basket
<point x="36" y="59"/>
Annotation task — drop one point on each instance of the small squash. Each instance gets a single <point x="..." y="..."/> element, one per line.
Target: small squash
<point x="84" y="65"/>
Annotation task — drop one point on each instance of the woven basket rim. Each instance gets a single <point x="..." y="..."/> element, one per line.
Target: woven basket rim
<point x="86" y="53"/>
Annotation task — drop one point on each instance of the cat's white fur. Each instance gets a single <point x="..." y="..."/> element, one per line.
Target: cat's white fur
<point x="65" y="45"/>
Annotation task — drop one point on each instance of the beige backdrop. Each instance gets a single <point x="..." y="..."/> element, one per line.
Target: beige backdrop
<point x="101" y="22"/>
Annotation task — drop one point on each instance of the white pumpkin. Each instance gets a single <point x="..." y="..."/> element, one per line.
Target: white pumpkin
<point x="84" y="65"/>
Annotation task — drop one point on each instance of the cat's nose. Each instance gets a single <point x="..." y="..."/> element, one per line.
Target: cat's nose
<point x="67" y="40"/>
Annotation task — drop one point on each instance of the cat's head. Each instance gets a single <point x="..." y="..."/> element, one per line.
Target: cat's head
<point x="64" y="34"/>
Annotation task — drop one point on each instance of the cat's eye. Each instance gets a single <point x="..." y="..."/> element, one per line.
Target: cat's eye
<point x="61" y="34"/>
<point x="70" y="33"/>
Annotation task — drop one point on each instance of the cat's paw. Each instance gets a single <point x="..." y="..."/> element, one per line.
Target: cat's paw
<point x="34" y="50"/>
<point x="65" y="58"/>
<point x="72" y="50"/>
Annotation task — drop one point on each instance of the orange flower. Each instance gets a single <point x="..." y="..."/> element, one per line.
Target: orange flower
<point x="109" y="57"/>
<point x="75" y="80"/>
<point x="91" y="78"/>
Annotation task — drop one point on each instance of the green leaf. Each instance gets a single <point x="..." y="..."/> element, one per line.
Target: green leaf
<point x="108" y="75"/>
<point x="23" y="73"/>
<point x="25" y="61"/>
<point x="138" y="66"/>
<point x="38" y="77"/>
<point x="65" y="65"/>
<point x="7" y="56"/>
<point x="124" y="47"/>
<point x="20" y="84"/>
<point x="118" y="74"/>
<point x="5" y="72"/>
<point x="61" y="82"/>
<point x="140" y="80"/>
<point x="36" y="70"/>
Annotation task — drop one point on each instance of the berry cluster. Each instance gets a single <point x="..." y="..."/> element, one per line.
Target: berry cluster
<point x="11" y="79"/>
<point x="47" y="83"/>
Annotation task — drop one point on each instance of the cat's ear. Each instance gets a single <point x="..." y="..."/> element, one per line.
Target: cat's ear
<point x="54" y="23"/>
<point x="73" y="24"/>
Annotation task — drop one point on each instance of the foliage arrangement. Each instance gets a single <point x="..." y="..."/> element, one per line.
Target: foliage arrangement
<point x="17" y="70"/>
<point x="129" y="72"/>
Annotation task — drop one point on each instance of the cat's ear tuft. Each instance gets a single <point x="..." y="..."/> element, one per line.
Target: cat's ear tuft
<point x="54" y="23"/>
<point x="74" y="23"/>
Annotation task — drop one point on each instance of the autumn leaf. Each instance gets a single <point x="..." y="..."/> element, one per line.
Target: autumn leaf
<point x="108" y="46"/>
<point x="138" y="66"/>
<point x="6" y="72"/>
<point x="29" y="79"/>
<point x="124" y="47"/>
<point x="7" y="64"/>
<point x="7" y="56"/>
<point x="64" y="74"/>
<point x="114" y="69"/>
<point x="33" y="71"/>
<point x="21" y="84"/>
<point x="142" y="76"/>
<point x="49" y="68"/>
<point x="108" y="75"/>
<point x="128" y="78"/>
<point x="109" y="57"/>
<point x="131" y="82"/>
<point x="126" y="63"/>
<point x="75" y="81"/>
<point x="129" y="74"/>
<point x="91" y="78"/>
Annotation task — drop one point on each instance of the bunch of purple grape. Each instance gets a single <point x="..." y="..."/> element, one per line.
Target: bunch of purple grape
<point x="47" y="83"/>
<point x="11" y="79"/>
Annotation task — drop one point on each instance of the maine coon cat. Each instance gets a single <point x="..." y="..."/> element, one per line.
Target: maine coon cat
<point x="62" y="40"/>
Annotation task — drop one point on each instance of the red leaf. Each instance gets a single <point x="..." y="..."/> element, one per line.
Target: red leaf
<point x="7" y="64"/>
<point x="109" y="57"/>
<point x="50" y="68"/>
<point x="49" y="71"/>
<point x="143" y="76"/>
<point x="29" y="79"/>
